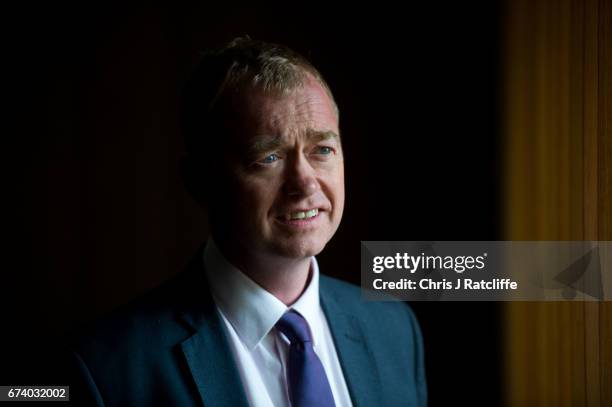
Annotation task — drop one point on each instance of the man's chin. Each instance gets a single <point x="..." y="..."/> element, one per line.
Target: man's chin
<point x="300" y="250"/>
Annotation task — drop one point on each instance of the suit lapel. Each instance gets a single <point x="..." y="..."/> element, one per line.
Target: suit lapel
<point x="357" y="361"/>
<point x="213" y="368"/>
<point x="207" y="351"/>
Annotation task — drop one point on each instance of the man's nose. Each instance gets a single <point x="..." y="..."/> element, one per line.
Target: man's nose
<point x="300" y="179"/>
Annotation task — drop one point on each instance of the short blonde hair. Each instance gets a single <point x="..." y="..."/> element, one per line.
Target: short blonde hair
<point x="274" y="68"/>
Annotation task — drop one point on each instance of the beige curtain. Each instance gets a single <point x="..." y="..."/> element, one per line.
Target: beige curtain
<point x="557" y="110"/>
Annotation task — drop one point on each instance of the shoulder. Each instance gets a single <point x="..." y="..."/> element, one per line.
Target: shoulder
<point x="385" y="315"/>
<point x="132" y="356"/>
<point x="389" y="331"/>
<point x="148" y="323"/>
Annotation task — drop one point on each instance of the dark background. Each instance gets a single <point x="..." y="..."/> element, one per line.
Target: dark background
<point x="97" y="213"/>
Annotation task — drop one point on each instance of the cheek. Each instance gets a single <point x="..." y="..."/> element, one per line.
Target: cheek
<point x="256" y="197"/>
<point x="337" y="192"/>
<point x="340" y="200"/>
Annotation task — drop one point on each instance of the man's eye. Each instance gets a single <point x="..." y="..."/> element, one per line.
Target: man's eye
<point x="269" y="159"/>
<point x="324" y="150"/>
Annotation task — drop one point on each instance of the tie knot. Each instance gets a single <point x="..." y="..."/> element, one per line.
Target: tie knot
<point x="294" y="326"/>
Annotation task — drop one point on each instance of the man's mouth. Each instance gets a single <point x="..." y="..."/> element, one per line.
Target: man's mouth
<point x="302" y="214"/>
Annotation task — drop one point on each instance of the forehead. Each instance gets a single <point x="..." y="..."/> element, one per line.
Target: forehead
<point x="299" y="112"/>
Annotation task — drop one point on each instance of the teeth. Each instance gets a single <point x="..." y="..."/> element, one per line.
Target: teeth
<point x="302" y="215"/>
<point x="312" y="212"/>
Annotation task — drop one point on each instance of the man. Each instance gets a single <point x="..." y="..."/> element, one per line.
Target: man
<point x="252" y="321"/>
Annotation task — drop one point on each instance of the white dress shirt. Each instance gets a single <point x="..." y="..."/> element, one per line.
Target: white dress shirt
<point x="250" y="313"/>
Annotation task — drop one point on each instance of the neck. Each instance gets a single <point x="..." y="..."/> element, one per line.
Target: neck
<point x="284" y="278"/>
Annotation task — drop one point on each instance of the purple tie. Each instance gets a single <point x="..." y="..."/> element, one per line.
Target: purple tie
<point x="308" y="385"/>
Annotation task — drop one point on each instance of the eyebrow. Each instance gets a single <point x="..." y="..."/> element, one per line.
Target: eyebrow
<point x="267" y="143"/>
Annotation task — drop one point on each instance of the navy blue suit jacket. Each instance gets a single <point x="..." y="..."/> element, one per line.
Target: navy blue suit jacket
<point x="169" y="348"/>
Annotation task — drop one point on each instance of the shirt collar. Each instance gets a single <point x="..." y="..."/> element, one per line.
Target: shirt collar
<point x="251" y="310"/>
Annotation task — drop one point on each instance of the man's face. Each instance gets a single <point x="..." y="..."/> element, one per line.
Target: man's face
<point x="285" y="172"/>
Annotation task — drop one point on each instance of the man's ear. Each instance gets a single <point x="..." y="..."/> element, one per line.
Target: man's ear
<point x="196" y="179"/>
